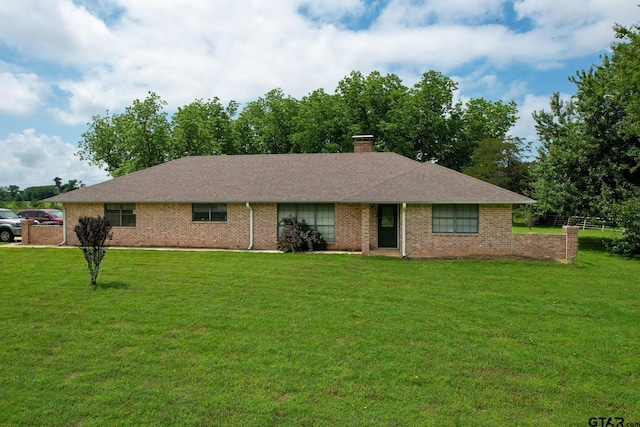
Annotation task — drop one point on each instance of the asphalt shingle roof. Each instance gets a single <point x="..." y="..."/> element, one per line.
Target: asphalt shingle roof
<point x="344" y="177"/>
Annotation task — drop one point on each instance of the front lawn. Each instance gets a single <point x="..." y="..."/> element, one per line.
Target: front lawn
<point x="250" y="339"/>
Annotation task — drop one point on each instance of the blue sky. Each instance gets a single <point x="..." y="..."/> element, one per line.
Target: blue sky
<point x="63" y="61"/>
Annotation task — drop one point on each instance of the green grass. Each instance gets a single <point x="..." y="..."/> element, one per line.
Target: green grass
<point x="221" y="338"/>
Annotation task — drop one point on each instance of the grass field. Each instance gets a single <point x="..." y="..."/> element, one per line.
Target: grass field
<point x="251" y="339"/>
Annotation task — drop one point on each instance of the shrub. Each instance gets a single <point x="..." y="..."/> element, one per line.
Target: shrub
<point x="298" y="236"/>
<point x="527" y="215"/>
<point x="627" y="217"/>
<point x="92" y="233"/>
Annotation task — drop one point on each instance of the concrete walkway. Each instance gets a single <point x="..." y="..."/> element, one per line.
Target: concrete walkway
<point x="18" y="244"/>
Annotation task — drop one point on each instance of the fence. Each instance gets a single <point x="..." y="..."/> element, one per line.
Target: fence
<point x="583" y="222"/>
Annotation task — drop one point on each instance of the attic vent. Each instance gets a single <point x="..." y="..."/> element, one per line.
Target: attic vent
<point x="362" y="143"/>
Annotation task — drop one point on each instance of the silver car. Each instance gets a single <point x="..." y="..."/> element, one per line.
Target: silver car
<point x="9" y="225"/>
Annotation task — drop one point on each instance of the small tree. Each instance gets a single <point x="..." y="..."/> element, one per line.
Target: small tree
<point x="92" y="233"/>
<point x="528" y="216"/>
<point x="298" y="236"/>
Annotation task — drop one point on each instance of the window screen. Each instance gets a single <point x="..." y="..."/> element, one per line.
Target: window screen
<point x="455" y="218"/>
<point x="121" y="214"/>
<point x="209" y="212"/>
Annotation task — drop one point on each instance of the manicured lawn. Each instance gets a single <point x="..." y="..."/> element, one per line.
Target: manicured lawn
<point x="250" y="339"/>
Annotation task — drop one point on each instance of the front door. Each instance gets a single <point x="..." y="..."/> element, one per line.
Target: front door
<point x="387" y="226"/>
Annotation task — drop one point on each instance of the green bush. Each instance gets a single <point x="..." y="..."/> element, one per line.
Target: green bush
<point x="298" y="236"/>
<point x="628" y="218"/>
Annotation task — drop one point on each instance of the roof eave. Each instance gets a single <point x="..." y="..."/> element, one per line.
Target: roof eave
<point x="363" y="201"/>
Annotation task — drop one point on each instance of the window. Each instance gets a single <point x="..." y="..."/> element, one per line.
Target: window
<point x="320" y="216"/>
<point x="121" y="214"/>
<point x="455" y="218"/>
<point x="209" y="212"/>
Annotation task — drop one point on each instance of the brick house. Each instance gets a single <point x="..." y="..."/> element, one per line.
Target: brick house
<point x="362" y="201"/>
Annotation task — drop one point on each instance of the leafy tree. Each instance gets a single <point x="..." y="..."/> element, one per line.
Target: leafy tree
<point x="627" y="216"/>
<point x="423" y="123"/>
<point x="489" y="119"/>
<point x="72" y="184"/>
<point x="40" y="192"/>
<point x="559" y="171"/>
<point x="13" y="190"/>
<point x="321" y="125"/>
<point x="589" y="160"/>
<point x="58" y="183"/>
<point x="131" y="141"/>
<point x="203" y="128"/>
<point x="92" y="232"/>
<point x="10" y="193"/>
<point x="372" y="105"/>
<point x="265" y="126"/>
<point x="626" y="72"/>
<point x="436" y="122"/>
<point x="501" y="162"/>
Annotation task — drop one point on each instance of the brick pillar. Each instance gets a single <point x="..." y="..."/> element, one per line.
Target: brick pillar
<point x="26" y="225"/>
<point x="571" y="234"/>
<point x="364" y="230"/>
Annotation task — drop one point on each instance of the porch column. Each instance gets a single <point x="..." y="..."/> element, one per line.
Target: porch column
<point x="364" y="230"/>
<point x="404" y="230"/>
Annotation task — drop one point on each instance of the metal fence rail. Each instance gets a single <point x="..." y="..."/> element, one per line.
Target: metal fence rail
<point x="584" y="222"/>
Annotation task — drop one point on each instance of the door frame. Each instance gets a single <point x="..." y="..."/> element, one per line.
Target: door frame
<point x="395" y="226"/>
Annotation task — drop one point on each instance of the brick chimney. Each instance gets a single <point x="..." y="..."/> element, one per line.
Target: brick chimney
<point x="362" y="143"/>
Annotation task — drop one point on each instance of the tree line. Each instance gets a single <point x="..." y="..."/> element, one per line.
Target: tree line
<point x="423" y="122"/>
<point x="33" y="195"/>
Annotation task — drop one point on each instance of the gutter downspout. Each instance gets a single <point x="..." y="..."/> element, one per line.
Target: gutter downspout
<point x="64" y="227"/>
<point x="404" y="230"/>
<point x="250" y="225"/>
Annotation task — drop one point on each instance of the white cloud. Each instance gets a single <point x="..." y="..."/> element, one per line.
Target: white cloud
<point x="240" y="50"/>
<point x="333" y="10"/>
<point x="184" y="51"/>
<point x="20" y="93"/>
<point x="569" y="15"/>
<point x="32" y="159"/>
<point x="411" y="13"/>
<point x="55" y="30"/>
<point x="89" y="97"/>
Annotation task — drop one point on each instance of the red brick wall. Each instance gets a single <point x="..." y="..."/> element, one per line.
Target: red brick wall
<point x="494" y="237"/>
<point x="356" y="229"/>
<point x="265" y="225"/>
<point x="47" y="235"/>
<point x="348" y="220"/>
<point x="171" y="225"/>
<point x="73" y="212"/>
<point x="547" y="246"/>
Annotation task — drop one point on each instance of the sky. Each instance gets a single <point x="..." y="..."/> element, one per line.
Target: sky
<point x="64" y="61"/>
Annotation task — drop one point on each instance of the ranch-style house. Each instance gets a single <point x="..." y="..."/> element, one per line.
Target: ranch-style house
<point x="365" y="201"/>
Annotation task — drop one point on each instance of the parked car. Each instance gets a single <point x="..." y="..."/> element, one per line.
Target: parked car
<point x="42" y="216"/>
<point x="9" y="225"/>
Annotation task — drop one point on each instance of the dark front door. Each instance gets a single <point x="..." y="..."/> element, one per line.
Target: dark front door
<point x="387" y="226"/>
